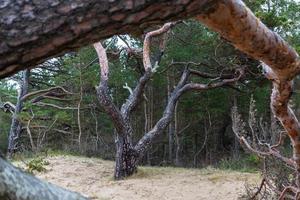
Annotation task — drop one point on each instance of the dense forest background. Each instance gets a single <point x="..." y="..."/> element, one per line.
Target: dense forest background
<point x="64" y="114"/>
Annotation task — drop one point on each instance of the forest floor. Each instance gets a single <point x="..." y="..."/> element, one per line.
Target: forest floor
<point x="93" y="177"/>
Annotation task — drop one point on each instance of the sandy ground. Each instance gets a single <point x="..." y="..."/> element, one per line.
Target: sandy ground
<point x="93" y="178"/>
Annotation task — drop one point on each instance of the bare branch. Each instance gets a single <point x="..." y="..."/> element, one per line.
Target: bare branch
<point x="103" y="92"/>
<point x="50" y="128"/>
<point x="181" y="88"/>
<point x="29" y="132"/>
<point x="55" y="106"/>
<point x="134" y="97"/>
<point x="128" y="88"/>
<point x="103" y="61"/>
<point x="238" y="127"/>
<point x="45" y="91"/>
<point x="147" y="42"/>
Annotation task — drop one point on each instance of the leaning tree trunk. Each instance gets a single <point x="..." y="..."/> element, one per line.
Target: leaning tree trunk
<point x="17" y="185"/>
<point x="171" y="129"/>
<point x="16" y="126"/>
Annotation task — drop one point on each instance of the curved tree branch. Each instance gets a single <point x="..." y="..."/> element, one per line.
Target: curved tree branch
<point x="134" y="97"/>
<point x="35" y="31"/>
<point x="103" y="91"/>
<point x="235" y="22"/>
<point x="182" y="87"/>
<point x="39" y="92"/>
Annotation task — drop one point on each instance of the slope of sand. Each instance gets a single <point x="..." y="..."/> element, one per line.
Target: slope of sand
<point x="93" y="178"/>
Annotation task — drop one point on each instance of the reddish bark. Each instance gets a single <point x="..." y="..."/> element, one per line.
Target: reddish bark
<point x="235" y="22"/>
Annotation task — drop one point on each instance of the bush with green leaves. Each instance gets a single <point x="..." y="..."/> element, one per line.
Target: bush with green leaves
<point x="36" y="164"/>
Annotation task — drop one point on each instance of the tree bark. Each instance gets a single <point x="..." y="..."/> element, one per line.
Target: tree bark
<point x="235" y="22"/>
<point x="37" y="30"/>
<point x="17" y="185"/>
<point x="182" y="87"/>
<point x="16" y="126"/>
<point x="281" y="63"/>
<point x="125" y="158"/>
<point x="34" y="32"/>
<point x="171" y="129"/>
<point x="126" y="155"/>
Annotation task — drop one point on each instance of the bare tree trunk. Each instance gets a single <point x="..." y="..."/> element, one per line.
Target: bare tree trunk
<point x="126" y="158"/>
<point x="171" y="130"/>
<point x="16" y="126"/>
<point x="125" y="155"/>
<point x="33" y="147"/>
<point x="171" y="137"/>
<point x="236" y="142"/>
<point x="146" y="123"/>
<point x="178" y="161"/>
<point x="79" y="109"/>
<point x="150" y="117"/>
<point x="275" y="129"/>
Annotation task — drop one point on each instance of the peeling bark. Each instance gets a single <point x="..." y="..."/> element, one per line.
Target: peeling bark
<point x="281" y="94"/>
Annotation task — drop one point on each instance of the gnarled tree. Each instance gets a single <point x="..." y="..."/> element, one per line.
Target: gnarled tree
<point x="129" y="155"/>
<point x="28" y="36"/>
<point x="35" y="97"/>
